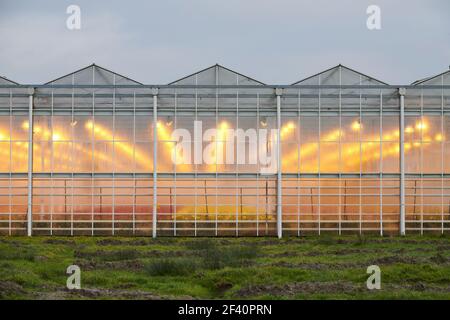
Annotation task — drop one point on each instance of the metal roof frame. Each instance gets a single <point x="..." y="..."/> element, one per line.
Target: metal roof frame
<point x="90" y="66"/>
<point x="213" y="66"/>
<point x="418" y="82"/>
<point x="335" y="67"/>
<point x="9" y="80"/>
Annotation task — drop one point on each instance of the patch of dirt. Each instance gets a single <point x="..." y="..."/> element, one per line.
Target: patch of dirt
<point x="329" y="241"/>
<point x="266" y="242"/>
<point x="338" y="252"/>
<point x="166" y="254"/>
<point x="395" y="260"/>
<point x="286" y="290"/>
<point x="343" y="252"/>
<point x="60" y="241"/>
<point x="348" y="251"/>
<point x="127" y="285"/>
<point x="222" y="287"/>
<point x="419" y="286"/>
<point x="40" y="258"/>
<point x="132" y="265"/>
<point x="316" y="266"/>
<point x="285" y="254"/>
<point x="439" y="258"/>
<point x="443" y="248"/>
<point x="118" y="242"/>
<point x="406" y="241"/>
<point x="116" y="294"/>
<point x="129" y="254"/>
<point x="108" y="255"/>
<point x="139" y="242"/>
<point x="11" y="242"/>
<point x="110" y="242"/>
<point x="63" y="294"/>
<point x="292" y="289"/>
<point x="382" y="261"/>
<point x="10" y="288"/>
<point x="313" y="253"/>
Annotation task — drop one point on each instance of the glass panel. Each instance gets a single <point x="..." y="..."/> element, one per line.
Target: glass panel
<point x="370" y="161"/>
<point x="19" y="128"/>
<point x="329" y="157"/>
<point x="350" y="155"/>
<point x="5" y="156"/>
<point x="19" y="152"/>
<point x="351" y="129"/>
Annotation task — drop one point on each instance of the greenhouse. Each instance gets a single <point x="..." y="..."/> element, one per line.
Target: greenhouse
<point x="217" y="153"/>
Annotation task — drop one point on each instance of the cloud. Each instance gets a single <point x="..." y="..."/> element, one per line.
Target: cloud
<point x="274" y="41"/>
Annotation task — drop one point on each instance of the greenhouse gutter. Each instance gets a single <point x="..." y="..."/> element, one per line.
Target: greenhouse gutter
<point x="147" y="86"/>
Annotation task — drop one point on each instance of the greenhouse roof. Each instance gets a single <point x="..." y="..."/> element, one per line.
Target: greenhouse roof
<point x="6" y="81"/>
<point x="94" y="74"/>
<point x="339" y="75"/>
<point x="216" y="75"/>
<point x="442" y="78"/>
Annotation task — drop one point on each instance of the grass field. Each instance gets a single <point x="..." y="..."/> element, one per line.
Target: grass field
<point x="326" y="267"/>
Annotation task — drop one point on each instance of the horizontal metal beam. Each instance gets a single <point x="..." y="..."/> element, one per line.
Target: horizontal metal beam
<point x="212" y="175"/>
<point x="165" y="86"/>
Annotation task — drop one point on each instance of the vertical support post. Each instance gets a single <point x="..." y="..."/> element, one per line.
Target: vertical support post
<point x="113" y="211"/>
<point x="381" y="163"/>
<point x="30" y="162"/>
<point x="279" y="93"/>
<point x="155" y="159"/>
<point x="402" y="92"/>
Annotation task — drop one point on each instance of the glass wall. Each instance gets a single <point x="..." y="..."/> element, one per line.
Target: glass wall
<point x="427" y="163"/>
<point x="93" y="162"/>
<point x="14" y="160"/>
<point x="340" y="155"/>
<point x="216" y="164"/>
<point x="214" y="188"/>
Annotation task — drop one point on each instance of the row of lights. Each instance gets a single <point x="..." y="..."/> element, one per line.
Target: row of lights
<point x="420" y="126"/>
<point x="356" y="125"/>
<point x="289" y="127"/>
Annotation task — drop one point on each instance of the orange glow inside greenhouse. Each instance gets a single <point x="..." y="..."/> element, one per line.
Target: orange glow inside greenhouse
<point x="96" y="153"/>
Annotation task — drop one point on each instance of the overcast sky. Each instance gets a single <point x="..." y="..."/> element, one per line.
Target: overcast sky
<point x="276" y="42"/>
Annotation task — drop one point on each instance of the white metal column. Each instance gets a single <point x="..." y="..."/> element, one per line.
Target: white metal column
<point x="278" y="93"/>
<point x="155" y="157"/>
<point x="402" y="92"/>
<point x="381" y="163"/>
<point x="30" y="162"/>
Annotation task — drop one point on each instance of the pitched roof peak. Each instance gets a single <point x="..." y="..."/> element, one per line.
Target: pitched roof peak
<point x="214" y="78"/>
